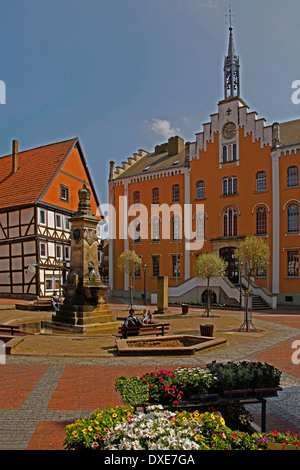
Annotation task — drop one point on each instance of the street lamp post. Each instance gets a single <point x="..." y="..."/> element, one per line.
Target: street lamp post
<point x="144" y="269"/>
<point x="241" y="274"/>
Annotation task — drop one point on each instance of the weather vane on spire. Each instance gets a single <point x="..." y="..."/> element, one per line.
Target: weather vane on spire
<point x="230" y="16"/>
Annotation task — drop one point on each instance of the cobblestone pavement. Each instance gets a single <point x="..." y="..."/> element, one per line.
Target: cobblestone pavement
<point x="40" y="395"/>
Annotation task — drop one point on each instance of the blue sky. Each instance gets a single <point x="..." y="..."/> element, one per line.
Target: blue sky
<point x="127" y="74"/>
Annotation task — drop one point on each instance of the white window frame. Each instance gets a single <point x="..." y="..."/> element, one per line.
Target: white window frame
<point x="46" y="250"/>
<point x="67" y="252"/>
<point x="57" y="256"/>
<point x="43" y="211"/>
<point x="67" y="223"/>
<point x="59" y="227"/>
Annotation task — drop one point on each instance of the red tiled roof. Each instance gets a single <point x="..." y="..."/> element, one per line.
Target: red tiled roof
<point x="36" y="168"/>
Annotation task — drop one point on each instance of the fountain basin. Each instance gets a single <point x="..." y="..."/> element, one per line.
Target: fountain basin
<point x="173" y="345"/>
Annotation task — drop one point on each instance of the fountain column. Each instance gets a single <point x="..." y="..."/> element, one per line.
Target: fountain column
<point x="84" y="307"/>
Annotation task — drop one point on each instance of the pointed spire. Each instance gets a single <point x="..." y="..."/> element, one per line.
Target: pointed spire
<point x="231" y="50"/>
<point x="231" y="67"/>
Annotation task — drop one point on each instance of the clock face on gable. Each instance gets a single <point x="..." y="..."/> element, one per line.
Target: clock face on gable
<point x="229" y="130"/>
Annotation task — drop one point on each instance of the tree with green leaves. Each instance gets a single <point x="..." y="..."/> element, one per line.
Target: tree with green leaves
<point x="129" y="262"/>
<point x="253" y="254"/>
<point x="209" y="265"/>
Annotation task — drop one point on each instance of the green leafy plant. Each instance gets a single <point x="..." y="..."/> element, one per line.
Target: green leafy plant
<point x="133" y="390"/>
<point x="244" y="375"/>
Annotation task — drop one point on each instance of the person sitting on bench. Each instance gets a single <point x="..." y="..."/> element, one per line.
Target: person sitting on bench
<point x="149" y="316"/>
<point x="132" y="320"/>
<point x="145" y="317"/>
<point x="55" y="300"/>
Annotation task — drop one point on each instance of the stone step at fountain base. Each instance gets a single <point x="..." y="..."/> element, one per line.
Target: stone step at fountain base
<point x="83" y="318"/>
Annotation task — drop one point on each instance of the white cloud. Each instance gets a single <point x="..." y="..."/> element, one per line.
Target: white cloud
<point x="210" y="4"/>
<point x="163" y="128"/>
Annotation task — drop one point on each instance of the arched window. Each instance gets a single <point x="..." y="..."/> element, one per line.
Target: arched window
<point x="261" y="181"/>
<point x="155" y="228"/>
<point x="293" y="218"/>
<point x="225" y="153"/>
<point x="261" y="221"/>
<point x="229" y="223"/>
<point x="200" y="190"/>
<point x="137" y="231"/>
<point x="155" y="196"/>
<point x="200" y="226"/>
<point x="292" y="176"/>
<point x="234" y="153"/>
<point x="176" y="227"/>
<point x="136" y="197"/>
<point x="175" y="193"/>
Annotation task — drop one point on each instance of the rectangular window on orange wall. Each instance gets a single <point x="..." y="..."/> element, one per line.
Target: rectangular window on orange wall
<point x="176" y="193"/>
<point x="136" y="197"/>
<point x="293" y="263"/>
<point x="64" y="193"/>
<point x="155" y="196"/>
<point x="155" y="266"/>
<point x="176" y="265"/>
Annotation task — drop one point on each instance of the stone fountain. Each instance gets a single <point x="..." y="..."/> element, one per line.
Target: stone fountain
<point x="84" y="309"/>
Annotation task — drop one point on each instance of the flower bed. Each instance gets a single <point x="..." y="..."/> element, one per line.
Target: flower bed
<point x="120" y="428"/>
<point x="172" y="387"/>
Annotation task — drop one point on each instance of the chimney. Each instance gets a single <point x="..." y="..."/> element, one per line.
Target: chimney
<point x="111" y="170"/>
<point x="15" y="156"/>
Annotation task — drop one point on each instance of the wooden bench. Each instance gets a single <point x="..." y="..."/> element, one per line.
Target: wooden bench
<point x="147" y="329"/>
<point x="43" y="304"/>
<point x="10" y="329"/>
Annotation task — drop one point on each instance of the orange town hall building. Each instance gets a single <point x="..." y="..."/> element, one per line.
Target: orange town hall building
<point x="244" y="176"/>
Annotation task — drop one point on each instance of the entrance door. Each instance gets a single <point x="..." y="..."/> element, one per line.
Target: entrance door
<point x="232" y="271"/>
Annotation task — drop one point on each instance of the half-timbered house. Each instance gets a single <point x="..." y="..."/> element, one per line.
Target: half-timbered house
<point x="38" y="195"/>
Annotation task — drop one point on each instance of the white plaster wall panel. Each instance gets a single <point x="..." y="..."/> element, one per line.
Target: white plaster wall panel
<point x="13" y="232"/>
<point x="16" y="249"/>
<point x="259" y="131"/>
<point x="26" y="215"/>
<point x="28" y="276"/>
<point x="17" y="277"/>
<point x="243" y="116"/>
<point x="3" y="234"/>
<point x="250" y="127"/>
<point x="32" y="289"/>
<point x="51" y="222"/>
<point x="4" y="251"/>
<point x="214" y="124"/>
<point x="4" y="278"/>
<point x="13" y="218"/>
<point x="3" y="220"/>
<point x="18" y="289"/>
<point x="16" y="263"/>
<point x="4" y="264"/>
<point x="29" y="247"/>
<point x="199" y="142"/>
<point x="29" y="260"/>
<point x="193" y="150"/>
<point x="51" y="249"/>
<point x="5" y="289"/>
<point x="206" y="134"/>
<point x="268" y="135"/>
